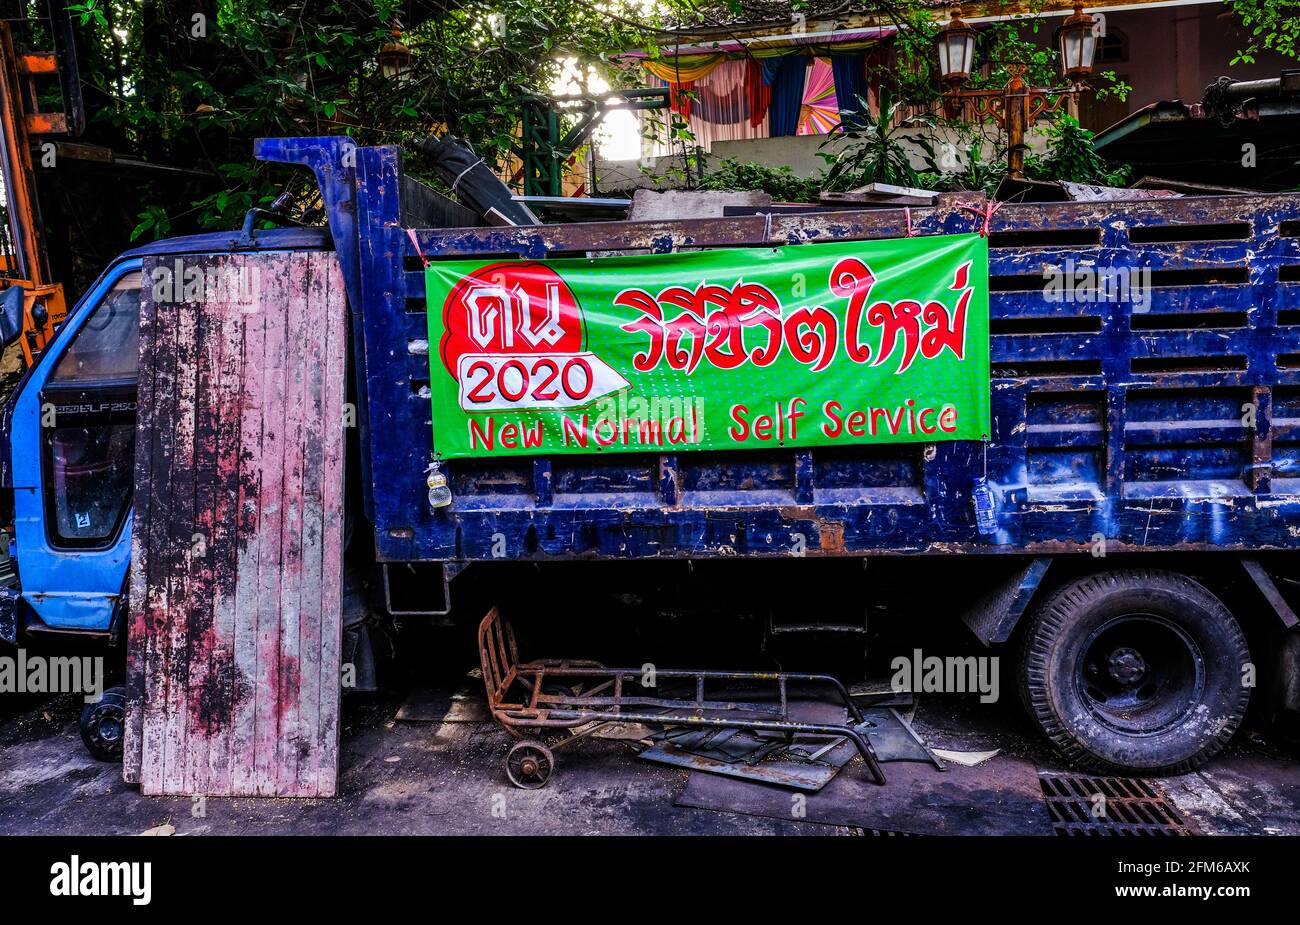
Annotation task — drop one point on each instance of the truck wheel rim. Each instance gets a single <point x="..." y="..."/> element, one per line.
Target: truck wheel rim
<point x="1140" y="674"/>
<point x="109" y="730"/>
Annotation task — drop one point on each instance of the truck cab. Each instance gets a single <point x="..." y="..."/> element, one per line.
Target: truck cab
<point x="67" y="452"/>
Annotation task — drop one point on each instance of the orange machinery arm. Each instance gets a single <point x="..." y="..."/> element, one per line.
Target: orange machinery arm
<point x="43" y="302"/>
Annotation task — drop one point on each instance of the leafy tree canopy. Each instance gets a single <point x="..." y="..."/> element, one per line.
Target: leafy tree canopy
<point x="193" y="82"/>
<point x="1274" y="26"/>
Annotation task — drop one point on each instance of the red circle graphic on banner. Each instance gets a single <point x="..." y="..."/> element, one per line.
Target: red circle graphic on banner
<point x="510" y="309"/>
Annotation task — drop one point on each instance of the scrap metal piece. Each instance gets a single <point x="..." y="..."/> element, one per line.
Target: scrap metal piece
<point x="929" y="752"/>
<point x="805" y="763"/>
<point x="1272" y="595"/>
<point x="993" y="617"/>
<point x="806" y="776"/>
<point x="731" y="745"/>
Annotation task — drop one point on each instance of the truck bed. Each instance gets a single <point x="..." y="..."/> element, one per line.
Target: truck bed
<point x="1170" y="423"/>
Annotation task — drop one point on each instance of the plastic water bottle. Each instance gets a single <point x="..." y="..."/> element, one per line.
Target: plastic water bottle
<point x="439" y="493"/>
<point x="982" y="496"/>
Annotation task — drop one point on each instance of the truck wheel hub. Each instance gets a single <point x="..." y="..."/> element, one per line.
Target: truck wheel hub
<point x="1126" y="665"/>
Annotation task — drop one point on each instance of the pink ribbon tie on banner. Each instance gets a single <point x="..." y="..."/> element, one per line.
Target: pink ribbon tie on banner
<point x="990" y="209"/>
<point x="415" y="242"/>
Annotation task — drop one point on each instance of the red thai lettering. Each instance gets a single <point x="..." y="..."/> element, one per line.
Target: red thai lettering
<point x="893" y="319"/>
<point x="852" y="279"/>
<point x="947" y="331"/>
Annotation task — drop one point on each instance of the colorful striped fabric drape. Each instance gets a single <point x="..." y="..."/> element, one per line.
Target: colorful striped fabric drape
<point x="683" y="67"/>
<point x="721" y="97"/>
<point x="764" y="96"/>
<point x="723" y="108"/>
<point x="819" y="112"/>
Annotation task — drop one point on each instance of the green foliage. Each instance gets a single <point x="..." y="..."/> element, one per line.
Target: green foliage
<point x="1108" y="85"/>
<point x="780" y="183"/>
<point x="1071" y="158"/>
<point x="196" y="92"/>
<point x="876" y="151"/>
<point x="1004" y="45"/>
<point x="977" y="175"/>
<point x="1274" y="26"/>
<point x="88" y="12"/>
<point x="152" y="219"/>
<point x="913" y="72"/>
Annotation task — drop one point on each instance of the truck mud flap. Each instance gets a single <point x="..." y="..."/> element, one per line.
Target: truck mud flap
<point x="994" y="616"/>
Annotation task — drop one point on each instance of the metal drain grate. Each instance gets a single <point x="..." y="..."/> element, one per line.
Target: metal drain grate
<point x="1110" y="806"/>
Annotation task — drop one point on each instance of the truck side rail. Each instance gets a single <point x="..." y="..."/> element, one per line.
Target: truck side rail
<point x="1166" y="416"/>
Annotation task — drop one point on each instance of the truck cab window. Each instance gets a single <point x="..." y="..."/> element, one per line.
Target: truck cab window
<point x="88" y="423"/>
<point x="107" y="346"/>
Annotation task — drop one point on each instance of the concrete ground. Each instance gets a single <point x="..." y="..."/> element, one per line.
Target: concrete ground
<point x="446" y="778"/>
<point x="396" y="778"/>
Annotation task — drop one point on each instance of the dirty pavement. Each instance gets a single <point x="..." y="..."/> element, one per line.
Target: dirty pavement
<point x="439" y="777"/>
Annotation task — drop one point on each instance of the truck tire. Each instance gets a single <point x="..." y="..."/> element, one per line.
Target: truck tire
<point x="102" y="724"/>
<point x="1135" y="672"/>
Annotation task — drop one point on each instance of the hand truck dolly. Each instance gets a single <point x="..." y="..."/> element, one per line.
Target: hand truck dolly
<point x="564" y="694"/>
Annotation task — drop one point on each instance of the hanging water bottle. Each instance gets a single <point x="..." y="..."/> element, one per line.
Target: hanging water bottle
<point x="985" y="517"/>
<point x="439" y="493"/>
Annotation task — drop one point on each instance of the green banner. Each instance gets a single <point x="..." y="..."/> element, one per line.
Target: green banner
<point x="808" y="345"/>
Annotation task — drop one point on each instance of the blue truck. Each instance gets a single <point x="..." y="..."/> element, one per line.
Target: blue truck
<point x="1127" y="533"/>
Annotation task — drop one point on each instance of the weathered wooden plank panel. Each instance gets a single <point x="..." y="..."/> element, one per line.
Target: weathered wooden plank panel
<point x="270" y="540"/>
<point x="237" y="568"/>
<point x="249" y="522"/>
<point x="168" y="764"/>
<point x="137" y="655"/>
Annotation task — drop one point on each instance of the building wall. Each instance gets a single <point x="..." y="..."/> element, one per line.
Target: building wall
<point x="1174" y="53"/>
<point x="799" y="152"/>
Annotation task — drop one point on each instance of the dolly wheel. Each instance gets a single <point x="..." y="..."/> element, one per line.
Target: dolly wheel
<point x="529" y="765"/>
<point x="102" y="724"/>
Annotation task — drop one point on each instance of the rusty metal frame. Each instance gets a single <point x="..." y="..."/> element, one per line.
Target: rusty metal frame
<point x="605" y="701"/>
<point x="447" y="575"/>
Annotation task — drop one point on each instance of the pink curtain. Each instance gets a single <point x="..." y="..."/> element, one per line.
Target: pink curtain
<point x="721" y="110"/>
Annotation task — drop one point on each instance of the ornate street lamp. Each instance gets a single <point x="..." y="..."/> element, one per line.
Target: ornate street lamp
<point x="1014" y="107"/>
<point x="395" y="57"/>
<point x="956" y="50"/>
<point x="1077" y="39"/>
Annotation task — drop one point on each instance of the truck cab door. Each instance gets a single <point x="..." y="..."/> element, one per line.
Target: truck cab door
<point x="73" y="447"/>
